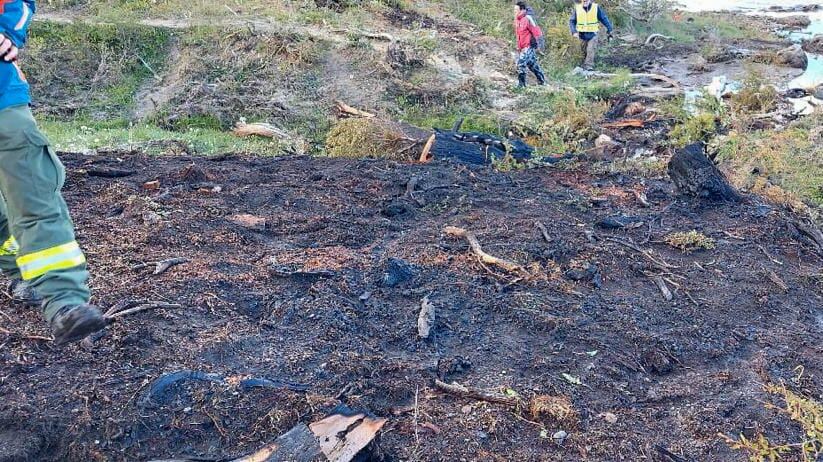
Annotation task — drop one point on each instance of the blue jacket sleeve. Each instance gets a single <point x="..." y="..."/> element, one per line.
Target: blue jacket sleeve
<point x="601" y="16"/>
<point x="572" y="22"/>
<point x="15" y="17"/>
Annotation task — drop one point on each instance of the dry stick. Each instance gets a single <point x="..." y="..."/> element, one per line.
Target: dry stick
<point x="543" y="231"/>
<point x="140" y="308"/>
<point x="424" y="156"/>
<point x="661" y="284"/>
<point x="766" y="253"/>
<point x="162" y="266"/>
<point x="466" y="392"/>
<point x="659" y="263"/>
<point x="410" y="187"/>
<point x="483" y="256"/>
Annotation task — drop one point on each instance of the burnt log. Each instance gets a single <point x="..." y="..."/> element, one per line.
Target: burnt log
<point x="694" y="174"/>
<point x="477" y="148"/>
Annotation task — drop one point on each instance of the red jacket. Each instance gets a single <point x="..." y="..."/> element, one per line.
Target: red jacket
<point x="527" y="31"/>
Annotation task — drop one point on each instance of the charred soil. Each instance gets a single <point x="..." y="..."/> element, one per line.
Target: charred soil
<point x="322" y="298"/>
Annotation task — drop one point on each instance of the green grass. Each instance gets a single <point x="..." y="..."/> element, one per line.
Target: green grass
<point x="772" y="163"/>
<point x="80" y="136"/>
<point x="719" y="25"/>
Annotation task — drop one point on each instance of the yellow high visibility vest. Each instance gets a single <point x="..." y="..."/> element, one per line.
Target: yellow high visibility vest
<point x="587" y="20"/>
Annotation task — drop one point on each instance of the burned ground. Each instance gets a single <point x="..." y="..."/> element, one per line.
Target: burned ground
<point x="325" y="296"/>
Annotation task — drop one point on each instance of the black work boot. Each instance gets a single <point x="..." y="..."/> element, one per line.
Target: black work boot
<point x="541" y="79"/>
<point x="74" y="323"/>
<point x="23" y="292"/>
<point x="521" y="80"/>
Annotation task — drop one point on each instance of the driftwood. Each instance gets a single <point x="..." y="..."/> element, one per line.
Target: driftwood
<point x="481" y="255"/>
<point x="694" y="174"/>
<point x="673" y="84"/>
<point x="260" y="129"/>
<point x="344" y="110"/>
<point x="466" y="392"/>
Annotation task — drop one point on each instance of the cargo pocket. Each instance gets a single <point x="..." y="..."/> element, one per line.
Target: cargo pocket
<point x="52" y="170"/>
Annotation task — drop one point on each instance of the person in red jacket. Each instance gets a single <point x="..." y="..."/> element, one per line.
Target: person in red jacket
<point x="529" y="36"/>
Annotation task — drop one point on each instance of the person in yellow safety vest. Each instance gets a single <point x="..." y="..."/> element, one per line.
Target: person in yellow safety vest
<point x="38" y="251"/>
<point x="584" y="24"/>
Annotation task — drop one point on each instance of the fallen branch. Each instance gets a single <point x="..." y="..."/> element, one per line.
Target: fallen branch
<point x="654" y="37"/>
<point x="372" y="35"/>
<point x="344" y="110"/>
<point x="260" y="129"/>
<point x="130" y="307"/>
<point x="635" y="123"/>
<point x="481" y="255"/>
<point x="777" y="281"/>
<point x="162" y="266"/>
<point x="664" y="289"/>
<point x="543" y="231"/>
<point x="466" y="392"/>
<point x="659" y="263"/>
<point x="424" y="156"/>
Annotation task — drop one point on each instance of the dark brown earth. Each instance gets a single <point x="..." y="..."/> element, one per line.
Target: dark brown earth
<point x="673" y="374"/>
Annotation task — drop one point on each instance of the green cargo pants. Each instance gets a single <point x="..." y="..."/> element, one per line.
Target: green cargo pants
<point x="36" y="233"/>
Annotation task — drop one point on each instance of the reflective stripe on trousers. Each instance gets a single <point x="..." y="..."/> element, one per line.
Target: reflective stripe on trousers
<point x="60" y="257"/>
<point x="9" y="248"/>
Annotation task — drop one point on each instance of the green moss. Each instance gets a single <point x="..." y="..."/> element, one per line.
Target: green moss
<point x="698" y="128"/>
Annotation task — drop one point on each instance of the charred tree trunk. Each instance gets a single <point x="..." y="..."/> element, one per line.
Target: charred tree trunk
<point x="694" y="174"/>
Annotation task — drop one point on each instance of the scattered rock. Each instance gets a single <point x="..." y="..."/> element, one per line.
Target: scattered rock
<point x="814" y="45"/>
<point x="606" y="147"/>
<point x="796" y="93"/>
<point x="151" y="185"/>
<point x="619" y="221"/>
<point x="402" y="56"/>
<point x="794" y="56"/>
<point x="694" y="174"/>
<point x="794" y="9"/>
<point x="796" y="21"/>
<point x="249" y="221"/>
<point x="634" y="108"/>
<point x="425" y="320"/>
<point x="609" y="418"/>
<point x="818" y="92"/>
<point x="194" y="174"/>
<point x="656" y="361"/>
<point x="698" y="63"/>
<point x="560" y="437"/>
<point x="397" y="272"/>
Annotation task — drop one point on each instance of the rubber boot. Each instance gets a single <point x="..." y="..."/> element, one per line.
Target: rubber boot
<point x="521" y="80"/>
<point x="23" y="292"/>
<point x="74" y="323"/>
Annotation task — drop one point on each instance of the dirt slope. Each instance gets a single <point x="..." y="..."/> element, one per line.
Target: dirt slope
<point x="674" y="374"/>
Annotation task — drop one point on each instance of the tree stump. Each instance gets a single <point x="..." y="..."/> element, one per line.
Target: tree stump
<point x="694" y="174"/>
